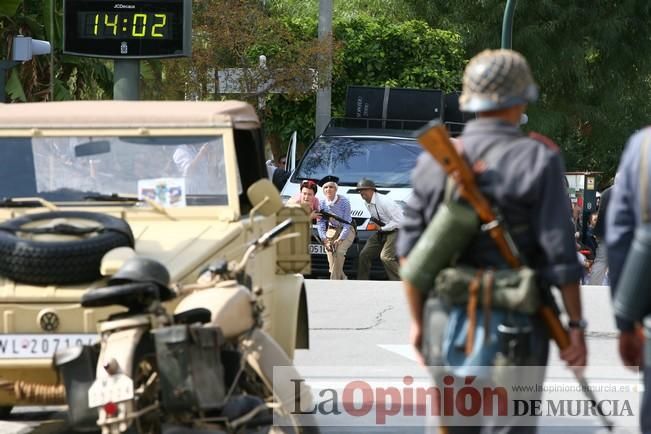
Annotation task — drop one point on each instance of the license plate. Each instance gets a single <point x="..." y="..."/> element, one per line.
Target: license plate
<point x="317" y="249"/>
<point x="116" y="388"/>
<point x="39" y="346"/>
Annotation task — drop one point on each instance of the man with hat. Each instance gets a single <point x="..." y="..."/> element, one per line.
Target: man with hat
<point x="523" y="179"/>
<point x="387" y="215"/>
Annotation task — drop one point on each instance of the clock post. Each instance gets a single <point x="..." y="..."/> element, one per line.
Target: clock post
<point x="126" y="79"/>
<point x="127" y="31"/>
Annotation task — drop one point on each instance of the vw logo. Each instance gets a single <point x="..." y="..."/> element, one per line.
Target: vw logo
<point x="48" y="320"/>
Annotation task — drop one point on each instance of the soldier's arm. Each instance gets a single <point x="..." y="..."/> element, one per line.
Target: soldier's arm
<point x="413" y="225"/>
<point x="621" y="218"/>
<point x="426" y="193"/>
<point x="555" y="235"/>
<point x="415" y="302"/>
<point x="552" y="224"/>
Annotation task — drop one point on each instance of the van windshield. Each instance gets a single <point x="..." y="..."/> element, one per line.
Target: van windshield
<point x="174" y="171"/>
<point x="388" y="162"/>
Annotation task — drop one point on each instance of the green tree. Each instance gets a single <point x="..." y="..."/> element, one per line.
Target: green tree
<point x="71" y="77"/>
<point x="373" y="52"/>
<point x="393" y="10"/>
<point x="591" y="59"/>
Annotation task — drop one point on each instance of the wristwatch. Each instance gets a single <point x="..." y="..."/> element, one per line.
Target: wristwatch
<point x="577" y="324"/>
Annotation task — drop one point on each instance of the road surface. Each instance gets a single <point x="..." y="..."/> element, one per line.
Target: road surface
<point x="365" y="324"/>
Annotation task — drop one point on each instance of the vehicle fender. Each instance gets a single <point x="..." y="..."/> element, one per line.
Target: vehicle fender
<point x="263" y="353"/>
<point x="288" y="300"/>
<point x="120" y="345"/>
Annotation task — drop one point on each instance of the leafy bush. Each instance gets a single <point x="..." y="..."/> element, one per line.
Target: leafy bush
<point x="370" y="52"/>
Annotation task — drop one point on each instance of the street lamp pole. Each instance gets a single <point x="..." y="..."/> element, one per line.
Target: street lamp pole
<point x="324" y="93"/>
<point x="507" y="24"/>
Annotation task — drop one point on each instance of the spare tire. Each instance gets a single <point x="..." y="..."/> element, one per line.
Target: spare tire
<point x="74" y="259"/>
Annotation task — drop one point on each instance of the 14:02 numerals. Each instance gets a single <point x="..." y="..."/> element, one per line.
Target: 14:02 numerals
<point x="138" y="26"/>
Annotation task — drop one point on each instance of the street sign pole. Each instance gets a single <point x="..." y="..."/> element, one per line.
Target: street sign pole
<point x="126" y="79"/>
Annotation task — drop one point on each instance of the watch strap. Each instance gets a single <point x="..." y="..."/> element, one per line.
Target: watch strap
<point x="577" y="324"/>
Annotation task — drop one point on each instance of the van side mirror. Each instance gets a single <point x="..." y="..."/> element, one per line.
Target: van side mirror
<point x="264" y="197"/>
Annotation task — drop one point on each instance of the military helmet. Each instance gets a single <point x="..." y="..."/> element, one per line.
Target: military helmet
<point x="497" y="79"/>
<point x="141" y="269"/>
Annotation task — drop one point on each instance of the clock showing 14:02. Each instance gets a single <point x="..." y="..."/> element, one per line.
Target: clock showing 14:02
<point x="127" y="29"/>
<point x="118" y="25"/>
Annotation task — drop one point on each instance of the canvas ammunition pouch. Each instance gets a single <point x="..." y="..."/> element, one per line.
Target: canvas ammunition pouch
<point x="511" y="289"/>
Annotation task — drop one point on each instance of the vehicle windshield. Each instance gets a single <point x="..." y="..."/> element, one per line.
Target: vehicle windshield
<point x="173" y="171"/>
<point x="388" y="162"/>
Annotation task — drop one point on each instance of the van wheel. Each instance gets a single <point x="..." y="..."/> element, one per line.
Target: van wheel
<point x="5" y="410"/>
<point x="59" y="247"/>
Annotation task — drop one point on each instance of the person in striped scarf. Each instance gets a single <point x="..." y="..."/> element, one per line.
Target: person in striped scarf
<point x="336" y="236"/>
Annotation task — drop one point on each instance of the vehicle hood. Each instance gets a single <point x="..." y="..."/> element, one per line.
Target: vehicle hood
<point x="182" y="246"/>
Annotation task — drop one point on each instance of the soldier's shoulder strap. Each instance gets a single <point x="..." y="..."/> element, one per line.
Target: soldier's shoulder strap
<point x="544" y="140"/>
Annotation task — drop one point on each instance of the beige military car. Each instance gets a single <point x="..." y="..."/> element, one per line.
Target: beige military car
<point x="85" y="184"/>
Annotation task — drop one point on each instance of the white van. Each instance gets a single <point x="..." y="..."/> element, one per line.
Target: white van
<point x="386" y="156"/>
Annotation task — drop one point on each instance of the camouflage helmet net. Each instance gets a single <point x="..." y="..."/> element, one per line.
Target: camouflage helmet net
<point x="497" y="79"/>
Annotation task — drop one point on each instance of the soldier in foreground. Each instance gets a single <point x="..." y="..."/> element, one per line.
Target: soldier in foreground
<point x="522" y="178"/>
<point x="627" y="239"/>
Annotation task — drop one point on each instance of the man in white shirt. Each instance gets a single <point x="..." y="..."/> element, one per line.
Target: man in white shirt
<point x="199" y="165"/>
<point x="387" y="215"/>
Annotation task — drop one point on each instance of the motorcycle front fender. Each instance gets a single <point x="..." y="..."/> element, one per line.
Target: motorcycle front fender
<point x="263" y="354"/>
<point x="121" y="346"/>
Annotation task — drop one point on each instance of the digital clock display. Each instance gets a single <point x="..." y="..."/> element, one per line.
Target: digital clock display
<point x="102" y="25"/>
<point x="127" y="29"/>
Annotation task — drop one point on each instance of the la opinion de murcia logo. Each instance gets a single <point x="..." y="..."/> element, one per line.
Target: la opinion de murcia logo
<point x="123" y="6"/>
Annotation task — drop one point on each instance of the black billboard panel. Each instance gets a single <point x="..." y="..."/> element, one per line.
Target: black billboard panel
<point x="404" y="105"/>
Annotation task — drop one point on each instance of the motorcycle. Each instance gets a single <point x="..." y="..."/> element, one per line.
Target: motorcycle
<point x="207" y="368"/>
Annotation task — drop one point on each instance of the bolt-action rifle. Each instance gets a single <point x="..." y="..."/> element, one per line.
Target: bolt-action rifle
<point x="336" y="217"/>
<point x="435" y="140"/>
